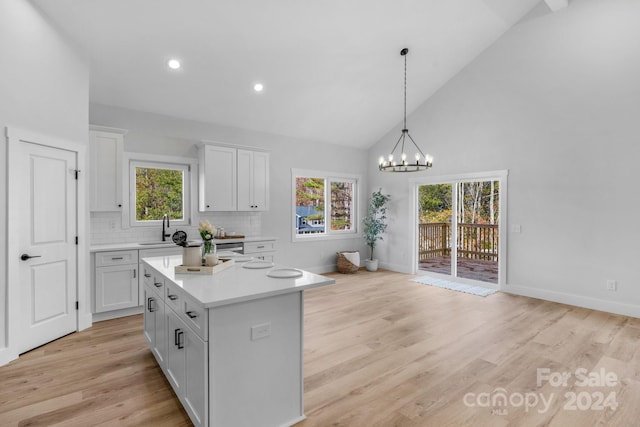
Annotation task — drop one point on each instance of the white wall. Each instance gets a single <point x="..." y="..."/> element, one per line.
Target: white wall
<point x="44" y="87"/>
<point x="556" y="101"/>
<point x="157" y="134"/>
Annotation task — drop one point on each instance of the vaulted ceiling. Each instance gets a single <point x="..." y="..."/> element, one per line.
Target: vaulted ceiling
<point x="331" y="69"/>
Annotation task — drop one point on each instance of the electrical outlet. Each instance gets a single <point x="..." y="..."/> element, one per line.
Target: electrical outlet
<point x="612" y="285"/>
<point x="260" y="331"/>
<point x="112" y="225"/>
<point x="516" y="228"/>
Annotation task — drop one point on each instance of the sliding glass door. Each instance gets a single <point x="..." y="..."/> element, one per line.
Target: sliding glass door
<point x="477" y="240"/>
<point x="459" y="228"/>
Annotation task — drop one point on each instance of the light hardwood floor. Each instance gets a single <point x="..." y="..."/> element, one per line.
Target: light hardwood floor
<point x="379" y="351"/>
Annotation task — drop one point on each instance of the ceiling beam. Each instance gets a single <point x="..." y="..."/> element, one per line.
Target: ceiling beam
<point x="556" y="5"/>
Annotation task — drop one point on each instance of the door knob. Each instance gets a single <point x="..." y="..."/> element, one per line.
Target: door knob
<point x="25" y="257"/>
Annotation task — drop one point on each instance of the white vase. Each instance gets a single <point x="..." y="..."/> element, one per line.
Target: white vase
<point x="371" y="264"/>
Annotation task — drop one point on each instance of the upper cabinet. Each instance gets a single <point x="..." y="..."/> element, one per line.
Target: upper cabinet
<point x="253" y="180"/>
<point x="232" y="179"/>
<point x="105" y="146"/>
<point x="217" y="178"/>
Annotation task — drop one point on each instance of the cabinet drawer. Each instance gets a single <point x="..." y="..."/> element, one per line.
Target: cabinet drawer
<point x="256" y="247"/>
<point x="105" y="259"/>
<point x="157" y="284"/>
<point x="173" y="296"/>
<point x="195" y="316"/>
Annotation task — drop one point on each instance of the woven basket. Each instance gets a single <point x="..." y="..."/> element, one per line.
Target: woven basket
<point x="344" y="265"/>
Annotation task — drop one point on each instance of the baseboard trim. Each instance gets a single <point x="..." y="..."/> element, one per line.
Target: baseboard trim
<point x="7" y="355"/>
<point x="108" y="315"/>
<point x="573" y="299"/>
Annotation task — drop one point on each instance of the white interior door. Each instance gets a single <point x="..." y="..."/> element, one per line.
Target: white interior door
<point x="44" y="192"/>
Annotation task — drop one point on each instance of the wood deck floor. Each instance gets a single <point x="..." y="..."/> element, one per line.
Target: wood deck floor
<point x="476" y="269"/>
<point x="379" y="350"/>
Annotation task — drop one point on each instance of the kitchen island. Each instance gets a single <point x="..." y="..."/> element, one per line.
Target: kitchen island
<point x="230" y="343"/>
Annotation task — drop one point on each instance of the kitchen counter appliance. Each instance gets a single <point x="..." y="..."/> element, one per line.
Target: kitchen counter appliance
<point x="237" y="247"/>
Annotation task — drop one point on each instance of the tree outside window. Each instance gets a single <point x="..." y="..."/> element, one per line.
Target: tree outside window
<point x="311" y="208"/>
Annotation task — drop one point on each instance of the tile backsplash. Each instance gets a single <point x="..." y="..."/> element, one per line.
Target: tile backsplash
<point x="106" y="227"/>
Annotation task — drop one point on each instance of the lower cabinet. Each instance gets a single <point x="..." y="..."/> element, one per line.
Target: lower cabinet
<point x="181" y="353"/>
<point x="155" y="329"/>
<point x="264" y="250"/>
<point x="186" y="367"/>
<point x="116" y="287"/>
<point x="115" y="277"/>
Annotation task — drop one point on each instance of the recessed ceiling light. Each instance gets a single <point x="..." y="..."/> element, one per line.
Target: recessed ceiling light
<point x="174" y="64"/>
<point x="258" y="87"/>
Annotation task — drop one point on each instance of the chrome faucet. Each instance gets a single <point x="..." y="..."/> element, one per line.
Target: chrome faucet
<point x="165" y="218"/>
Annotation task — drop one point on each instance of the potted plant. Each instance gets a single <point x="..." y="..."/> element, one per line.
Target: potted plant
<point x="374" y="224"/>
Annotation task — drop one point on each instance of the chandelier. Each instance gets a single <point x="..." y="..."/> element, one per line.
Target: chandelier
<point x="422" y="161"/>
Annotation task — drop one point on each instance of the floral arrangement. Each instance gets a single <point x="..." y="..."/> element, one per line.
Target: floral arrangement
<point x="207" y="231"/>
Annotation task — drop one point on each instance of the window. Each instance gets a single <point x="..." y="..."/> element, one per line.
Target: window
<point x="158" y="189"/>
<point x="324" y="205"/>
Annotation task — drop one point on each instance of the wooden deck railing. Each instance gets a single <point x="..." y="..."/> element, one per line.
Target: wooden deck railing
<point x="475" y="241"/>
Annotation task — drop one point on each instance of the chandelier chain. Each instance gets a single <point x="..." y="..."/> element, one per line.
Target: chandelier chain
<point x="405" y="92"/>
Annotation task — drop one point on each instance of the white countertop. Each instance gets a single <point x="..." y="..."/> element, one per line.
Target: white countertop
<point x="234" y="284"/>
<point x="169" y="243"/>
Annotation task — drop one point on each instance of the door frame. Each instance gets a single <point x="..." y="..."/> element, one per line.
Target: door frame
<point x="14" y="136"/>
<point x="497" y="175"/>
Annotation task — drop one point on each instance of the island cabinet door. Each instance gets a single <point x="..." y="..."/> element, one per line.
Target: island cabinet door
<point x="196" y="396"/>
<point x="175" y="351"/>
<point x="149" y="318"/>
<point x="154" y="325"/>
<point x="160" y="346"/>
<point x="186" y="368"/>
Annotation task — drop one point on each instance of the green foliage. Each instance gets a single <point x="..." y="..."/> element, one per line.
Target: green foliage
<point x="375" y="222"/>
<point x="341" y="202"/>
<point x="310" y="192"/>
<point x="474" y="205"/>
<point x="435" y="203"/>
<point x="158" y="192"/>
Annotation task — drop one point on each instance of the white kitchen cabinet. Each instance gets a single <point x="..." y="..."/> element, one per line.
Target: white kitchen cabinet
<point x="116" y="287"/>
<point x="186" y="367"/>
<point x="253" y="180"/>
<point x="155" y="327"/>
<point x="116" y="280"/>
<point x="264" y="249"/>
<point x="148" y="253"/>
<point x="105" y="169"/>
<point x="217" y="178"/>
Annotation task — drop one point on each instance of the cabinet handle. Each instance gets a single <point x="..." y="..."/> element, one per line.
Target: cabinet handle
<point x="149" y="300"/>
<point x="176" y="337"/>
<point x="179" y="342"/>
<point x="157" y="284"/>
<point x="260" y="247"/>
<point x="119" y="205"/>
<point x="116" y="258"/>
<point x="172" y="297"/>
<point x="208" y="206"/>
<point x="134" y="273"/>
<point x="191" y="315"/>
<point x="147" y="275"/>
